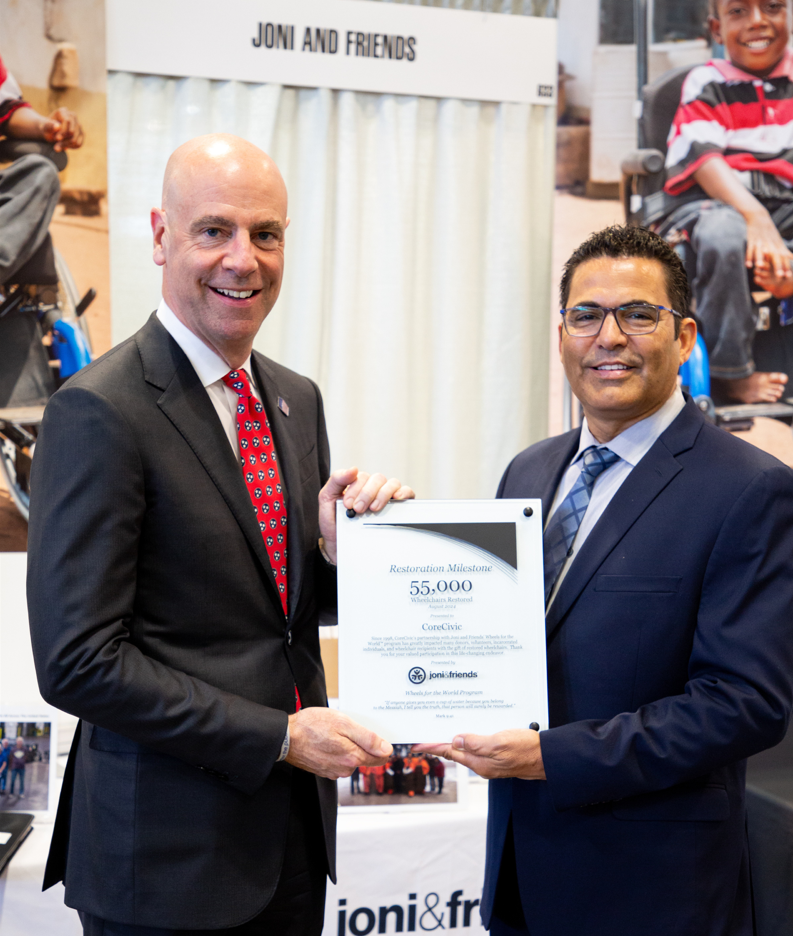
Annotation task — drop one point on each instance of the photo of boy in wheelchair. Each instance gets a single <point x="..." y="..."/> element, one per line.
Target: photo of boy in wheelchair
<point x="42" y="339"/>
<point x="725" y="194"/>
<point x="29" y="188"/>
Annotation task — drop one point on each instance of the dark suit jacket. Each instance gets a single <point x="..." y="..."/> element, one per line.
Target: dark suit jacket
<point x="670" y="661"/>
<point x="155" y="618"/>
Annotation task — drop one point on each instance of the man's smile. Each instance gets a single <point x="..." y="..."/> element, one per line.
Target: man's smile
<point x="611" y="370"/>
<point x="235" y="294"/>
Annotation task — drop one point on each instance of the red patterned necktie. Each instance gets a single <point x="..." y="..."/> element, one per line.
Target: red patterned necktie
<point x="260" y="471"/>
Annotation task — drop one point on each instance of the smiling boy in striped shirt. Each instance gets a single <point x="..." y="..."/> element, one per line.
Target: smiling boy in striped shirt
<point x="732" y="143"/>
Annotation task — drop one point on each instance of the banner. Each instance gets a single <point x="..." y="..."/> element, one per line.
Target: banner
<point x="417" y="871"/>
<point x="342" y="44"/>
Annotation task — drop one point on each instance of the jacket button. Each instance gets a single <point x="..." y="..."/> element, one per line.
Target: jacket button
<point x="289" y="638"/>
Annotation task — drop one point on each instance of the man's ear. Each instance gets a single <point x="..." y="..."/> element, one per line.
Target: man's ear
<point x="158" y="232"/>
<point x="687" y="338"/>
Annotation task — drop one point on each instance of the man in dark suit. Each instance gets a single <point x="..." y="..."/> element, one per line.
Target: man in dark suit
<point x="669" y="590"/>
<point x="182" y="541"/>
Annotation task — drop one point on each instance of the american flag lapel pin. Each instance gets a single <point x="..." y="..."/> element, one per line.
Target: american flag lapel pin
<point x="283" y="406"/>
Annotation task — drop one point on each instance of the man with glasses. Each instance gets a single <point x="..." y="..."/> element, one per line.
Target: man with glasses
<point x="669" y="592"/>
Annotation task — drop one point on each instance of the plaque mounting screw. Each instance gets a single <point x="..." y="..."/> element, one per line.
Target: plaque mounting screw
<point x="527" y="511"/>
<point x="351" y="512"/>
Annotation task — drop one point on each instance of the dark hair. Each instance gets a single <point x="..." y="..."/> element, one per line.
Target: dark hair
<point x="628" y="241"/>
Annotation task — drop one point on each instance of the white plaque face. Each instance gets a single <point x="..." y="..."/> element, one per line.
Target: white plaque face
<point x="442" y="618"/>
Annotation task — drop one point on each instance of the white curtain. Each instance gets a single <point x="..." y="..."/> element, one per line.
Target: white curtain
<point x="417" y="261"/>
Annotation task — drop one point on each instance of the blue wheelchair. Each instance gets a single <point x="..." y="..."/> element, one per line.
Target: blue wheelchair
<point x="44" y="339"/>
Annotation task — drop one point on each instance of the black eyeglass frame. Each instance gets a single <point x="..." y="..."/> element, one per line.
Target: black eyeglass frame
<point x="613" y="311"/>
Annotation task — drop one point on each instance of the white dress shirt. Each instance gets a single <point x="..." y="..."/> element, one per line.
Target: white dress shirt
<point x="631" y="446"/>
<point x="211" y="369"/>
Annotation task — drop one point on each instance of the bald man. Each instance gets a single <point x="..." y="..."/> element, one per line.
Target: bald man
<point x="182" y="544"/>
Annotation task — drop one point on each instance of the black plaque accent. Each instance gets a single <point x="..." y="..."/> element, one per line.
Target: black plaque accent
<point x="498" y="539"/>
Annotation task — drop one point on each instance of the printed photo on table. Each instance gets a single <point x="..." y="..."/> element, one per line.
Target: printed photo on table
<point x="26" y="767"/>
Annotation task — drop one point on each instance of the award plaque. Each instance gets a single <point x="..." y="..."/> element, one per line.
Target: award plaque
<point x="442" y="618"/>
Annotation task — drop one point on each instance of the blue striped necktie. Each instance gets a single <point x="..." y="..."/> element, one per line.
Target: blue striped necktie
<point x="562" y="529"/>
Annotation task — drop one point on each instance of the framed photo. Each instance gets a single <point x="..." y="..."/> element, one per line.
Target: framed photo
<point x="28" y="755"/>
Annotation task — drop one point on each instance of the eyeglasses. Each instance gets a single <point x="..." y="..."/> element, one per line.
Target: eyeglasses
<point x="637" y="318"/>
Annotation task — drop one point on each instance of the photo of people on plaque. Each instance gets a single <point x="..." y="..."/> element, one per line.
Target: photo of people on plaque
<point x="408" y="779"/>
<point x="25" y="766"/>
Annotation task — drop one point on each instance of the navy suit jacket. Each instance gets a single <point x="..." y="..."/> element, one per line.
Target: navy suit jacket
<point x="670" y="661"/>
<point x="155" y="618"/>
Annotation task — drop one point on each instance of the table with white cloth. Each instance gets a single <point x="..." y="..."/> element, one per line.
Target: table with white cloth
<point x="416" y="866"/>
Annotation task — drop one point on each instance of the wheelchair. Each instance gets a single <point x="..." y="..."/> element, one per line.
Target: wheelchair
<point x="43" y="340"/>
<point x="645" y="203"/>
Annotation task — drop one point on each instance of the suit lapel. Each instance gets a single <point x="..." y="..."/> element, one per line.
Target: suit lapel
<point x="186" y="404"/>
<point x="555" y="469"/>
<point x="647" y="480"/>
<point x="288" y="470"/>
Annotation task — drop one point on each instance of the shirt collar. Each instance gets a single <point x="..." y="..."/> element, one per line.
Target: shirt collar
<point x="636" y="441"/>
<point x="209" y="365"/>
<point x="783" y="69"/>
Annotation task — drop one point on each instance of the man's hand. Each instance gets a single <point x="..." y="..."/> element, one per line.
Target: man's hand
<point x="359" y="491"/>
<point x="328" y="743"/>
<point x="514" y="753"/>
